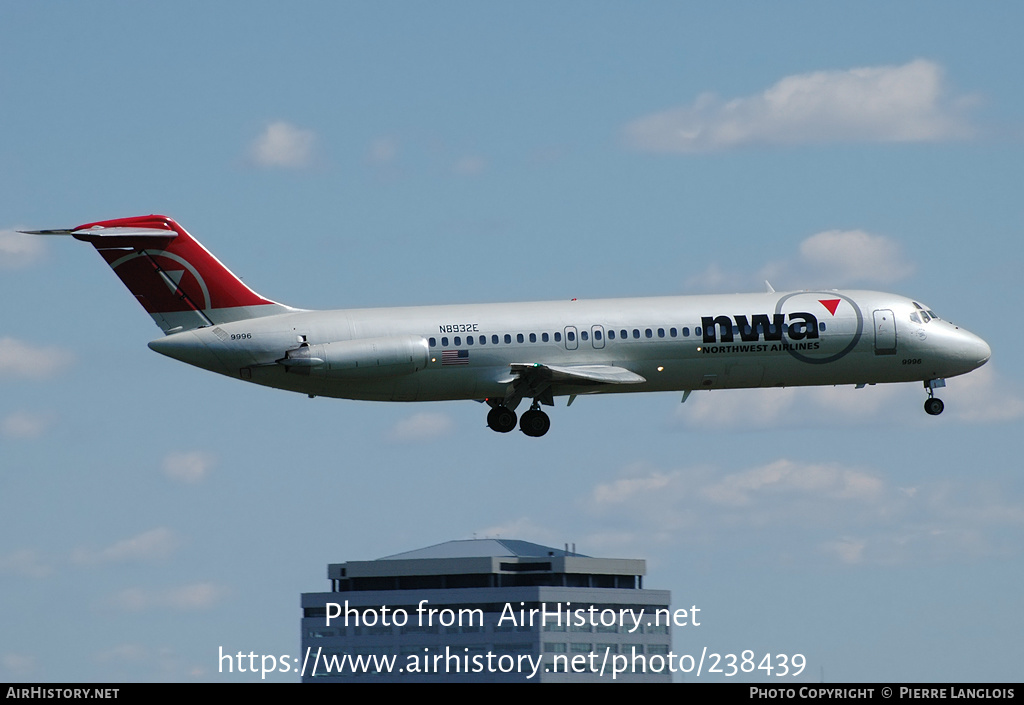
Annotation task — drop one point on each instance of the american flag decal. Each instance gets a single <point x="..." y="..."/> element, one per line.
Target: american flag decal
<point x="454" y="357"/>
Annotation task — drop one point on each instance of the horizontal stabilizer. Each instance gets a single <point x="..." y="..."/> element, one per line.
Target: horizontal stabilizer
<point x="123" y="237"/>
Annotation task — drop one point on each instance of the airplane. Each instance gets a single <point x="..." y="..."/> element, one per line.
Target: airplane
<point x="504" y="353"/>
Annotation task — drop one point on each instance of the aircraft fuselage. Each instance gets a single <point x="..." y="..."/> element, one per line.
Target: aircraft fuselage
<point x="675" y="343"/>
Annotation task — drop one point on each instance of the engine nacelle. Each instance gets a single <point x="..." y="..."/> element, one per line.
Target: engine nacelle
<point x="363" y="358"/>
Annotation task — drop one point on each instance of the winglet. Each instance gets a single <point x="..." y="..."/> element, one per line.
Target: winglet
<point x="769" y="289"/>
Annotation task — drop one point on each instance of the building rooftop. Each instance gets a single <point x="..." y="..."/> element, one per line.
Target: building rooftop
<point x="483" y="548"/>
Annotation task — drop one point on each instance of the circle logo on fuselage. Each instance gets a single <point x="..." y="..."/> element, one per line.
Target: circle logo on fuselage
<point x="830" y="301"/>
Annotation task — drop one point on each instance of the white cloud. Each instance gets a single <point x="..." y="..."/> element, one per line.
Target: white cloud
<point x="828" y="259"/>
<point x="470" y="165"/>
<point x="19" y="359"/>
<point x="847" y="550"/>
<point x="155" y="544"/>
<point x="787" y="508"/>
<point x="22" y="424"/>
<point x="838" y="258"/>
<point x="18" y="666"/>
<point x="283" y="145"/>
<point x="982" y="397"/>
<point x="794" y="407"/>
<point x="424" y="426"/>
<point x="383" y="150"/>
<point x="186" y="598"/>
<point x="190" y="468"/>
<point x="18" y="249"/>
<point x="26" y="563"/>
<point x="827" y="481"/>
<point x="908" y="103"/>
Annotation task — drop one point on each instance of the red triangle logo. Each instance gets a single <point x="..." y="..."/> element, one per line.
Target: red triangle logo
<point x="830" y="304"/>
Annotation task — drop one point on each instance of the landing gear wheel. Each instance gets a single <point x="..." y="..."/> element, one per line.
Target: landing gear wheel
<point x="934" y="406"/>
<point x="535" y="423"/>
<point x="501" y="419"/>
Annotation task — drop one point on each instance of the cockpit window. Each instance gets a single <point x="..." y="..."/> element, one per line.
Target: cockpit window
<point x="926" y="314"/>
<point x="915" y="318"/>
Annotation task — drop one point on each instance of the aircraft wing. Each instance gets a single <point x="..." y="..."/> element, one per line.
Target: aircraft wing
<point x="575" y="374"/>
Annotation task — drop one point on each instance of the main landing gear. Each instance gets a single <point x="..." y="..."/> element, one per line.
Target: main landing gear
<point x="501" y="419"/>
<point x="534" y="423"/>
<point x="933" y="405"/>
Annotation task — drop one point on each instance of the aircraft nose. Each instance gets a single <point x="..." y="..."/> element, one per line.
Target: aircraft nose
<point x="975" y="351"/>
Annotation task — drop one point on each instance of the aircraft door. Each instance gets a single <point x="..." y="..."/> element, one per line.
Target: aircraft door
<point x="597" y="335"/>
<point x="885" y="332"/>
<point x="571" y="341"/>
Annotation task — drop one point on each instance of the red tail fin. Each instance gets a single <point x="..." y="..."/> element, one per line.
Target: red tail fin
<point x="175" y="278"/>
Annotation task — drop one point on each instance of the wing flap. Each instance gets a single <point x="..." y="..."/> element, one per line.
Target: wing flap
<point x="576" y="374"/>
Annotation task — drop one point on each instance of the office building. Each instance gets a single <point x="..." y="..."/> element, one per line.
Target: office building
<point x="486" y="610"/>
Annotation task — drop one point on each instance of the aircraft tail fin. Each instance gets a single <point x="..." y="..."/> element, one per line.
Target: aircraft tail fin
<point x="179" y="283"/>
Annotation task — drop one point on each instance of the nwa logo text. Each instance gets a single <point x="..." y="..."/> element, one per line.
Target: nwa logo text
<point x="761" y="326"/>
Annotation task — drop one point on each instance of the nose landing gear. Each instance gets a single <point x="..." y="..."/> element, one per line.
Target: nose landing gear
<point x="933" y="405"/>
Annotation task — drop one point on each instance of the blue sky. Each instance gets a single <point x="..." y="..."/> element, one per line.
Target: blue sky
<point x="358" y="154"/>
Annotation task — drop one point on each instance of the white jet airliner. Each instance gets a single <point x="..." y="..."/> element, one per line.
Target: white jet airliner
<point x="504" y="353"/>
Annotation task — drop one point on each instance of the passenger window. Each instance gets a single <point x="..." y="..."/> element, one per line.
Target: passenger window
<point x="636" y="333"/>
<point x="533" y="337"/>
<point x="611" y="335"/>
<point x="444" y="341"/>
<point x="597" y="335"/>
<point x="469" y="340"/>
<point x="649" y="333"/>
<point x="583" y="335"/>
<point x="544" y="337"/>
<point x="458" y="341"/>
<point x="661" y="332"/>
<point x="570" y="336"/>
<point x="686" y="332"/>
<point x="483" y="340"/>
<point x="696" y="330"/>
<point x="558" y="337"/>
<point x="821" y="326"/>
<point x="494" y="339"/>
<point x="519" y="337"/>
<point x="433" y="342"/>
<point x="672" y="332"/>
<point x="508" y="338"/>
<point x="622" y="334"/>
